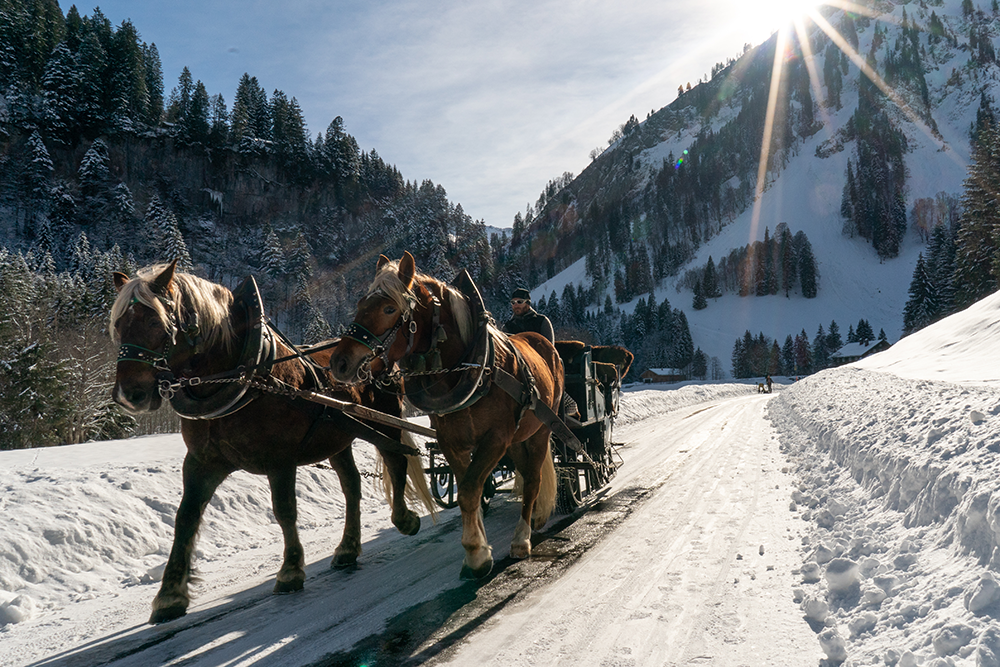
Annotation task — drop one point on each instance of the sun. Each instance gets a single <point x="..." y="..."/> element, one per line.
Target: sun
<point x="787" y="10"/>
<point x="762" y="18"/>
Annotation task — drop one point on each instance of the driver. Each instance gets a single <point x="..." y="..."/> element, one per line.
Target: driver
<point x="527" y="318"/>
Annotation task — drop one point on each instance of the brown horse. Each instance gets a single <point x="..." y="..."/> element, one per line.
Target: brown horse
<point x="424" y="324"/>
<point x="181" y="338"/>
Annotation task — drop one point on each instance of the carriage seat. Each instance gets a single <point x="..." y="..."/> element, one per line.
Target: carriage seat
<point x="570" y="351"/>
<point x="613" y="354"/>
<point x="607" y="374"/>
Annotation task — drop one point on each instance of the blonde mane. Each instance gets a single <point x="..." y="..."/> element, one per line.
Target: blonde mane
<point x="388" y="284"/>
<point x="191" y="294"/>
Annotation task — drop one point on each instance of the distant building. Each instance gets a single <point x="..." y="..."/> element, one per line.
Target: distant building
<point x="662" y="375"/>
<point x="854" y="351"/>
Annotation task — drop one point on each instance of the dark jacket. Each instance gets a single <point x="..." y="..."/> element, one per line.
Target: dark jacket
<point x="531" y="321"/>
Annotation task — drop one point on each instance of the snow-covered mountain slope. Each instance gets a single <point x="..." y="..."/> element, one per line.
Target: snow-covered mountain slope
<point x="806" y="192"/>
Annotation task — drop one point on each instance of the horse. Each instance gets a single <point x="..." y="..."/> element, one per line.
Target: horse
<point x="181" y="338"/>
<point x="485" y="392"/>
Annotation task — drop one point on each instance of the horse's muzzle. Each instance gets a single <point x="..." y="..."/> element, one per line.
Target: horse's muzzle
<point x="136" y="400"/>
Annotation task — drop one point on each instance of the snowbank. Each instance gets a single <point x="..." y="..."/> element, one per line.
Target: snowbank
<point x="900" y="482"/>
<point x="85" y="520"/>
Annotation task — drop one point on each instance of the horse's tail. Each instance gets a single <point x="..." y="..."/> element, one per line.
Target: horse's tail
<point x="417" y="489"/>
<point x="416" y="486"/>
<point x="546" y="501"/>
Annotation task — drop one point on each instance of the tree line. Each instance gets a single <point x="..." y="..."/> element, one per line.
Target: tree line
<point x="760" y="356"/>
<point x="776" y="265"/>
<point x="962" y="261"/>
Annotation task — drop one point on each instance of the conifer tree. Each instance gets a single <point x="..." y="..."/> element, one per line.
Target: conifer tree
<point x="699" y="297"/>
<point x="921" y="307"/>
<point x="789" y="260"/>
<point x="803" y="354"/>
<point x="699" y="365"/>
<point x="864" y="332"/>
<point x="977" y="242"/>
<point x="710" y="283"/>
<point x="833" y="340"/>
<point x="774" y="359"/>
<point x="788" y="356"/>
<point x="60" y="90"/>
<point x="128" y="81"/>
<point x="806" y="268"/>
<point x="153" y="76"/>
<point x="92" y="63"/>
<point x="94" y="171"/>
<point x="820" y="352"/>
<point x="218" y="118"/>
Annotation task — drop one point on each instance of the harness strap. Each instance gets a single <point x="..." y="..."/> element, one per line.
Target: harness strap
<point x="359" y="429"/>
<point x="516" y="389"/>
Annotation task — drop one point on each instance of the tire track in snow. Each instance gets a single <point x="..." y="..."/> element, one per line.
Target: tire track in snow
<point x="666" y="586"/>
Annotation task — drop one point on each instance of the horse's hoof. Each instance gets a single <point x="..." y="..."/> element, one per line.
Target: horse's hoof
<point x="520" y="551"/>
<point x="469" y="574"/>
<point x="344" y="561"/>
<point x="410" y="524"/>
<point x="292" y="586"/>
<point x="167" y="614"/>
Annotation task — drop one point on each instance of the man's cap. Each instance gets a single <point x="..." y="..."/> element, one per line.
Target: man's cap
<point x="521" y="293"/>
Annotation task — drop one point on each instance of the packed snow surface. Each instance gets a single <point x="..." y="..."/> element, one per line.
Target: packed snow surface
<point x="852" y="517"/>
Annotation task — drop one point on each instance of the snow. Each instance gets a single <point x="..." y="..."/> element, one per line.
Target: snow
<point x="850" y="516"/>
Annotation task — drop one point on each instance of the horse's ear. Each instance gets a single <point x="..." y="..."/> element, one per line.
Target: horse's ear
<point x="382" y="261"/>
<point x="407" y="269"/>
<point x="161" y="283"/>
<point x="120" y="279"/>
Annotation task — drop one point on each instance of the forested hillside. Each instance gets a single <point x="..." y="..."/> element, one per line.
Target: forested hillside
<point x="102" y="169"/>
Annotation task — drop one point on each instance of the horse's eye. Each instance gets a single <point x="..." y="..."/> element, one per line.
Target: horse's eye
<point x="389" y="310"/>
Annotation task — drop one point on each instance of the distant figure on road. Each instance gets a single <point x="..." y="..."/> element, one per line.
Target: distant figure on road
<point x="768" y="380"/>
<point x="527" y="318"/>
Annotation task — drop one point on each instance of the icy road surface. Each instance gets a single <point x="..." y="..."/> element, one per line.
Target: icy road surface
<point x="696" y="571"/>
<point x="688" y="558"/>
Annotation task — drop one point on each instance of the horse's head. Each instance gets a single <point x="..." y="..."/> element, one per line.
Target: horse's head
<point x="371" y="342"/>
<point x="141" y="323"/>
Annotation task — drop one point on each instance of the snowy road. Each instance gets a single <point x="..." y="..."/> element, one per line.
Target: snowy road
<point x="699" y="572"/>
<point x="687" y="559"/>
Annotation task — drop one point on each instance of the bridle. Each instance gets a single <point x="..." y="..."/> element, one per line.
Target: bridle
<point x="378" y="346"/>
<point x="159" y="358"/>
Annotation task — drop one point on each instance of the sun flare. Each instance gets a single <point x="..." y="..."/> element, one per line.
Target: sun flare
<point x="764" y="17"/>
<point x="785" y="11"/>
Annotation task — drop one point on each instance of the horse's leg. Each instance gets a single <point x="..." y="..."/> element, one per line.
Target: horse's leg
<point x="200" y="482"/>
<point x="347" y="552"/>
<point x="292" y="573"/>
<point x="478" y="553"/>
<point x="532" y="452"/>
<point x="405" y="520"/>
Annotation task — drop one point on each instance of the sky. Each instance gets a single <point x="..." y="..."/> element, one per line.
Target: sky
<point x="490" y="99"/>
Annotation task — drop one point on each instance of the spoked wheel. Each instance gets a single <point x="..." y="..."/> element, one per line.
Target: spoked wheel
<point x="573" y="486"/>
<point x="444" y="486"/>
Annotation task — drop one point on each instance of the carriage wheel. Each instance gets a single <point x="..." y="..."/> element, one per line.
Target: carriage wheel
<point x="444" y="487"/>
<point x="570" y="492"/>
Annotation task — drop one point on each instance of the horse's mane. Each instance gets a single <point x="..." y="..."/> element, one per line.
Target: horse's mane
<point x="193" y="295"/>
<point x="387" y="283"/>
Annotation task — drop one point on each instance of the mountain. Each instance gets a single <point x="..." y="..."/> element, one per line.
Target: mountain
<point x="679" y="187"/>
